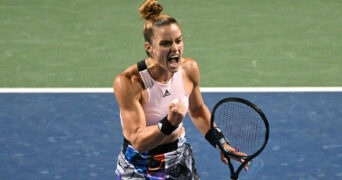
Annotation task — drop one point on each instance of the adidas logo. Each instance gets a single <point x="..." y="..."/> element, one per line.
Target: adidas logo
<point x="167" y="93"/>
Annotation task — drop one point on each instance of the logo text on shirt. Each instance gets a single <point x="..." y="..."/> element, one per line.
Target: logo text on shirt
<point x="167" y="93"/>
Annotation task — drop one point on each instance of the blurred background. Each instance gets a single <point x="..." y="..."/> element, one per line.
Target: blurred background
<point x="84" y="43"/>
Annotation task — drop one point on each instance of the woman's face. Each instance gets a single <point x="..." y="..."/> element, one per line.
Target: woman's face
<point x="167" y="47"/>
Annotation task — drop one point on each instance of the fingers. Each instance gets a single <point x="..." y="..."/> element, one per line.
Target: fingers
<point x="238" y="153"/>
<point x="175" y="101"/>
<point x="177" y="112"/>
<point x="246" y="166"/>
<point x="224" y="159"/>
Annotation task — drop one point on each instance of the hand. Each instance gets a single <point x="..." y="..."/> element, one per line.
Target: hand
<point x="177" y="112"/>
<point x="233" y="151"/>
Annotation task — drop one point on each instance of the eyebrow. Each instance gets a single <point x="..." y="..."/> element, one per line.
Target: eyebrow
<point x="181" y="36"/>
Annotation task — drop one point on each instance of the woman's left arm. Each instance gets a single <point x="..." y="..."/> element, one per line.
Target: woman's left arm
<point x="198" y="111"/>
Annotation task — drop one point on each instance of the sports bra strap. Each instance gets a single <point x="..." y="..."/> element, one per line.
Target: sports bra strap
<point x="142" y="65"/>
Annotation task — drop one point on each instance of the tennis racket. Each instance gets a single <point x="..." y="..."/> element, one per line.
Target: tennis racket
<point x="246" y="128"/>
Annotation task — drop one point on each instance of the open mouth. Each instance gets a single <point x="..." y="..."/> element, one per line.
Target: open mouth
<point x="173" y="61"/>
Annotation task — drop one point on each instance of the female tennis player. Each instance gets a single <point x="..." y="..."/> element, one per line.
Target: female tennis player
<point x="154" y="96"/>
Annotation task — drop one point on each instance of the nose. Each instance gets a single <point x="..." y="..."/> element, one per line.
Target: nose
<point x="174" y="47"/>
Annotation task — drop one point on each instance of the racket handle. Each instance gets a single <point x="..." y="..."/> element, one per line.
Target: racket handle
<point x="234" y="177"/>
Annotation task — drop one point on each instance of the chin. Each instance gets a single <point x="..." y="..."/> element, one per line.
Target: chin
<point x="173" y="70"/>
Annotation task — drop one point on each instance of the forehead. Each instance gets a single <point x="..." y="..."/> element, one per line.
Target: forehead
<point x="171" y="31"/>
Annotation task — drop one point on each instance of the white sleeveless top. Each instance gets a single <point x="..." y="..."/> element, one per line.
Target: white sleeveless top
<point x="160" y="95"/>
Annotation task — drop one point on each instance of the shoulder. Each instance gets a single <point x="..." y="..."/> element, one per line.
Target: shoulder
<point x="191" y="69"/>
<point x="127" y="75"/>
<point x="129" y="82"/>
<point x="189" y="63"/>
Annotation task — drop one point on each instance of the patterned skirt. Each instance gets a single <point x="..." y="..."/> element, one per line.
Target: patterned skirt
<point x="176" y="164"/>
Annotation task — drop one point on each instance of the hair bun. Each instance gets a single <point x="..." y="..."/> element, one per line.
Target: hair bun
<point x="150" y="9"/>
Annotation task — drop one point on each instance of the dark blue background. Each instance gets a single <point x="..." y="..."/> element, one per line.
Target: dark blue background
<point x="78" y="136"/>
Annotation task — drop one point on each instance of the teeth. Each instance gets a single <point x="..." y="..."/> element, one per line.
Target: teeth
<point x="173" y="57"/>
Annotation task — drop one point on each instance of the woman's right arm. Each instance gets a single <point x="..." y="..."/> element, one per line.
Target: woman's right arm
<point x="128" y="92"/>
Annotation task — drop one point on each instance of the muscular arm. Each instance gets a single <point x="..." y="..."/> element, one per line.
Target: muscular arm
<point x="127" y="90"/>
<point x="198" y="111"/>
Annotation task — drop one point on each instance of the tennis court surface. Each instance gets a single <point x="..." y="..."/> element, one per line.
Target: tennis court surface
<point x="78" y="136"/>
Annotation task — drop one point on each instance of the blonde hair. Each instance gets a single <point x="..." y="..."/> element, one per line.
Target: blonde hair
<point x="151" y="10"/>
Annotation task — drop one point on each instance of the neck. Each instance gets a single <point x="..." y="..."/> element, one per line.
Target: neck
<point x="159" y="74"/>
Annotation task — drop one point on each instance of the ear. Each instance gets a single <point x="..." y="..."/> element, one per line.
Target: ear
<point x="148" y="48"/>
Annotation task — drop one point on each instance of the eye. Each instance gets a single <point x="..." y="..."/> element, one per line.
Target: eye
<point x="165" y="43"/>
<point x="178" y="41"/>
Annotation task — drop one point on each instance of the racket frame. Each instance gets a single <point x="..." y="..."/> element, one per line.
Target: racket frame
<point x="227" y="154"/>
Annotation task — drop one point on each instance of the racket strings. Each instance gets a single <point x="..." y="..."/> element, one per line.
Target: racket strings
<point x="241" y="125"/>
